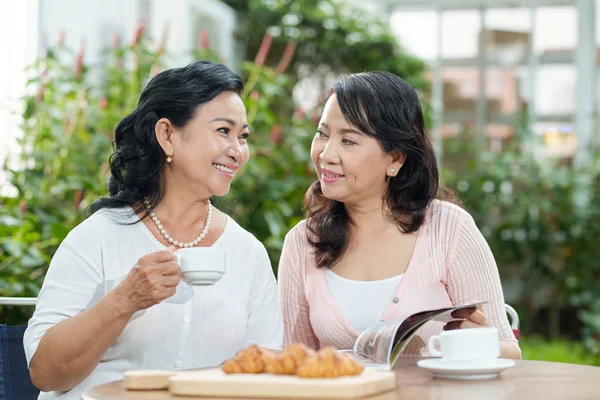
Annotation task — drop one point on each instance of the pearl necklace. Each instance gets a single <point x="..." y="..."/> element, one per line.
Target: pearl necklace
<point x="171" y="240"/>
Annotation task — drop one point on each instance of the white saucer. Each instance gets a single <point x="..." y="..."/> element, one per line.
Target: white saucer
<point x="480" y="369"/>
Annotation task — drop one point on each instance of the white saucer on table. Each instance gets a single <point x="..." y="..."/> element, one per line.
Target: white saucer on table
<point x="479" y="369"/>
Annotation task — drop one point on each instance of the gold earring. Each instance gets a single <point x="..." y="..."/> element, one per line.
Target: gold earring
<point x="169" y="159"/>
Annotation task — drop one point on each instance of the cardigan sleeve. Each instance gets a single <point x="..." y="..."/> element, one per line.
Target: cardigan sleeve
<point x="296" y="321"/>
<point x="472" y="276"/>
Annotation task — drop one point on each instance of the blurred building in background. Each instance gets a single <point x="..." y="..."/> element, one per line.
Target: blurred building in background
<point x="499" y="66"/>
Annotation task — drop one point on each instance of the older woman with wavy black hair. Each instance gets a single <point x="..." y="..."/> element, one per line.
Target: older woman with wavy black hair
<point x="376" y="243"/>
<point x="112" y="299"/>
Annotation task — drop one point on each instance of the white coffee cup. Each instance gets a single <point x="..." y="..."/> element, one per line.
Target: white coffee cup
<point x="201" y="266"/>
<point x="466" y="344"/>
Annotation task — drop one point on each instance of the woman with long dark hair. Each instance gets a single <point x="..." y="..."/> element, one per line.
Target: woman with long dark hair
<point x="378" y="242"/>
<point x="112" y="299"/>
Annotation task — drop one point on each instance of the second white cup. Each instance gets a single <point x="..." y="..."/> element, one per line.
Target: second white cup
<point x="466" y="344"/>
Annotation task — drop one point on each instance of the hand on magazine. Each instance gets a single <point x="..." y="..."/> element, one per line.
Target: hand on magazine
<point x="471" y="318"/>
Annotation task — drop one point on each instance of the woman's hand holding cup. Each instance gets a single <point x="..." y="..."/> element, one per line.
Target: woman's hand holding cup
<point x="153" y="279"/>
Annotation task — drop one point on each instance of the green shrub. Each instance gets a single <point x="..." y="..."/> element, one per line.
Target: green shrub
<point x="557" y="350"/>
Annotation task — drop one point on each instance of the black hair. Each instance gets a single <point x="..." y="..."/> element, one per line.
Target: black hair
<point x="138" y="160"/>
<point x="386" y="107"/>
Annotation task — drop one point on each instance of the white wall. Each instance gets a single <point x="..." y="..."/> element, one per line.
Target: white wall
<point x="92" y="21"/>
<point x="18" y="49"/>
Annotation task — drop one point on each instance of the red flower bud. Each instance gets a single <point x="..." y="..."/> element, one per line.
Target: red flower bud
<point x="23" y="207"/>
<point x="103" y="103"/>
<point x="139" y="32"/>
<point x="116" y="41"/>
<point x="299" y="113"/>
<point x="288" y="53"/>
<point x="40" y="93"/>
<point x="276" y="134"/>
<point x="254" y="95"/>
<point x="79" y="60"/>
<point x="204" y="42"/>
<point x="77" y="199"/>
<point x="61" y="38"/>
<point x="261" y="55"/>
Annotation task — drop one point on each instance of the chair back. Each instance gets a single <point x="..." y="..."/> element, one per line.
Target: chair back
<point x="514" y="320"/>
<point x="15" y="381"/>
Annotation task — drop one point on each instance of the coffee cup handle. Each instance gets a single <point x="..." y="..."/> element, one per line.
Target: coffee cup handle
<point x="431" y="346"/>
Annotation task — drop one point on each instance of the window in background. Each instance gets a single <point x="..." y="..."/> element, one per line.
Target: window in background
<point x="556" y="29"/>
<point x="460" y="33"/>
<point x="416" y="32"/>
<point x="508" y="35"/>
<point x="555" y="90"/>
<point x="461" y="92"/>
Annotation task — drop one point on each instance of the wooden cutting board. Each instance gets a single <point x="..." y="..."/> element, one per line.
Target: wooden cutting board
<point x="147" y="379"/>
<point x="216" y="383"/>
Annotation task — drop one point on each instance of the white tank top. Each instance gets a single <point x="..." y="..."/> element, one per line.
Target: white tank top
<point x="361" y="302"/>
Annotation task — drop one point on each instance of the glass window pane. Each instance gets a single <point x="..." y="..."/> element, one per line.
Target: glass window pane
<point x="510" y="19"/>
<point x="508" y="35"/>
<point x="416" y="31"/>
<point x="556" y="29"/>
<point x="460" y="32"/>
<point x="461" y="90"/>
<point x="555" y="89"/>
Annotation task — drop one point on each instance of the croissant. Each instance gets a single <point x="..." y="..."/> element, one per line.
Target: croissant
<point x="329" y="364"/>
<point x="248" y="361"/>
<point x="288" y="361"/>
<point x="296" y="359"/>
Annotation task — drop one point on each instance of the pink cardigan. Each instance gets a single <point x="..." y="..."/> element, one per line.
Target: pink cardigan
<point x="451" y="265"/>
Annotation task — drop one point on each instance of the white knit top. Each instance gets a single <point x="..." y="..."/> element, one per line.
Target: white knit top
<point x="197" y="327"/>
<point x="361" y="302"/>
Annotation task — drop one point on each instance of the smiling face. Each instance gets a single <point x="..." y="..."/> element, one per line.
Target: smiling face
<point x="351" y="166"/>
<point x="209" y="151"/>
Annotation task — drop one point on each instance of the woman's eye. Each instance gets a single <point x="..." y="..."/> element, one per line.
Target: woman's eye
<point x="320" y="134"/>
<point x="244" y="136"/>
<point x="223" y="130"/>
<point x="348" y="141"/>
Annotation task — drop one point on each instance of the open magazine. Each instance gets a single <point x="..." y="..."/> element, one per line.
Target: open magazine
<point x="380" y="345"/>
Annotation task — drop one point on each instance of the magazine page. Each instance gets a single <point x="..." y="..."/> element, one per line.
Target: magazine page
<point x="410" y="325"/>
<point x="375" y="343"/>
<point x="381" y="344"/>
